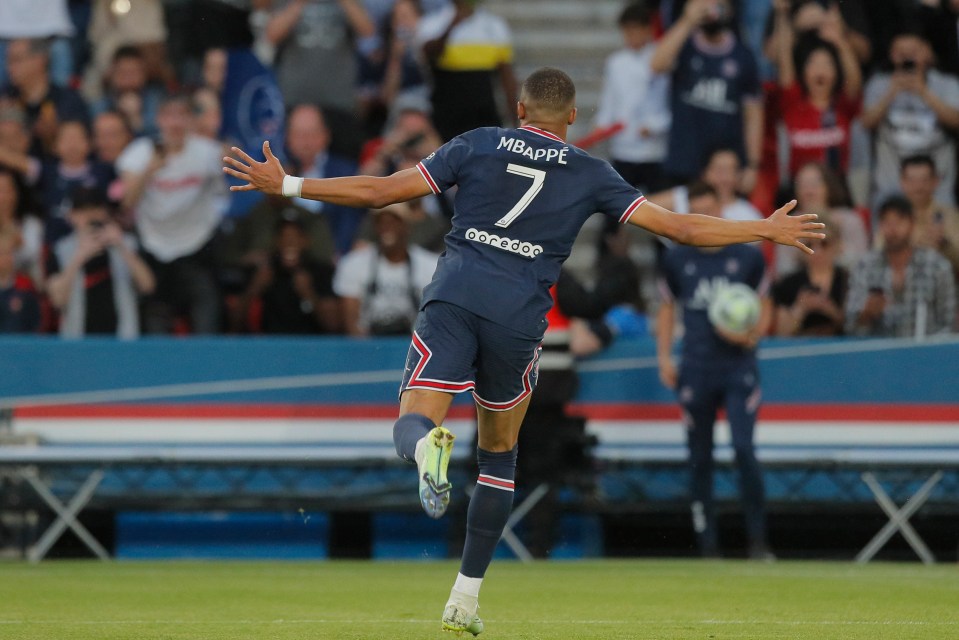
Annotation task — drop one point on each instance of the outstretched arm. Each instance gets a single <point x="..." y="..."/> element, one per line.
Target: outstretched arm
<point x="710" y="231"/>
<point x="355" y="191"/>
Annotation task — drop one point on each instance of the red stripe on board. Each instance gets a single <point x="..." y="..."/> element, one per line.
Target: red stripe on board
<point x="229" y="411"/>
<point x="809" y="413"/>
<point x="787" y="412"/>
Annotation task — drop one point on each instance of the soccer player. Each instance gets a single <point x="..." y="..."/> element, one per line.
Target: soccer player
<point x="718" y="369"/>
<point x="523" y="196"/>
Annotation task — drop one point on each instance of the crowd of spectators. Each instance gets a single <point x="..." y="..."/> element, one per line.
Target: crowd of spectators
<point x="115" y="216"/>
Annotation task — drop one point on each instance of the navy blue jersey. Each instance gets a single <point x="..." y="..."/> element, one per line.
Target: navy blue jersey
<point x="709" y="85"/>
<point x="523" y="195"/>
<point x="691" y="277"/>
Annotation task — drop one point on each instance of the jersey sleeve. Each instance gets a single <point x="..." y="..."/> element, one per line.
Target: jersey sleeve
<point x="616" y="197"/>
<point x="441" y="169"/>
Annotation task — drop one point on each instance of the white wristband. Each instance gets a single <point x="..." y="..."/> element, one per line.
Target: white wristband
<point x="292" y="186"/>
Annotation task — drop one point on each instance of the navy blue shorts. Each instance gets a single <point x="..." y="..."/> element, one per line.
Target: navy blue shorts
<point x="454" y="350"/>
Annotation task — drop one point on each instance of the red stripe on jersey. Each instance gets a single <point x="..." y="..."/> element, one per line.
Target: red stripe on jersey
<point x="426" y="176"/>
<point x="426" y="383"/>
<point x="495" y="482"/>
<point x="509" y="404"/>
<point x="631" y="208"/>
<point x="546" y="134"/>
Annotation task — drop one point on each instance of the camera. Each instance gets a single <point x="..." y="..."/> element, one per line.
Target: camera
<point x="907" y="66"/>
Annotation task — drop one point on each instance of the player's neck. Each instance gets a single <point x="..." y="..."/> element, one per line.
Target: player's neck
<point x="551" y="127"/>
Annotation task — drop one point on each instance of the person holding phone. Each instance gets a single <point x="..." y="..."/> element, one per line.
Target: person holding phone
<point x="912" y="110"/>
<point x="94" y="275"/>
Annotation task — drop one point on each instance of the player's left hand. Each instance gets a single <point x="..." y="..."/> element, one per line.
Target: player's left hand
<point x="747" y="340"/>
<point x="266" y="176"/>
<point x="792" y="230"/>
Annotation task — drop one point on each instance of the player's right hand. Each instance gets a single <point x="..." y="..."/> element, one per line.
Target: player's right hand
<point x="668" y="374"/>
<point x="266" y="176"/>
<point x="792" y="230"/>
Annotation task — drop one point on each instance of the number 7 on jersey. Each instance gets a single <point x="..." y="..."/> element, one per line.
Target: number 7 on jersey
<point x="538" y="176"/>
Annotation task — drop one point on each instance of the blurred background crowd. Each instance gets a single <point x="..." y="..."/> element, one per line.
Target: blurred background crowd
<point x="116" y="218"/>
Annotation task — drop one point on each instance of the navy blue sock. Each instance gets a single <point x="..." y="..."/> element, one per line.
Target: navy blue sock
<point x="489" y="510"/>
<point x="407" y="430"/>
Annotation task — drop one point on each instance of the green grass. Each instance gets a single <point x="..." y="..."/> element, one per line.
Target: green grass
<point x="568" y="600"/>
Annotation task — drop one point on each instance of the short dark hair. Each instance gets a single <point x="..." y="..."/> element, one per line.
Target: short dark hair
<point x="895" y="204"/>
<point x="636" y="13"/>
<point x="549" y="89"/>
<point x="84" y="197"/>
<point x="919" y="160"/>
<point x="127" y="51"/>
<point x="698" y="189"/>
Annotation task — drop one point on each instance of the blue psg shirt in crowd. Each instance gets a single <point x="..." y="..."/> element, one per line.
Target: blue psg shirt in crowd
<point x="523" y="195"/>
<point x="709" y="85"/>
<point x="691" y="277"/>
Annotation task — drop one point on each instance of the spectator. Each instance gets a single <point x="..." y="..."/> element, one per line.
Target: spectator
<point x="207" y="113"/>
<point x="819" y="88"/>
<point x="47" y="20"/>
<point x="111" y="135"/>
<point x="724" y="174"/>
<point x="716" y="100"/>
<point x="316" y="51"/>
<point x="94" y="274"/>
<point x="16" y="220"/>
<point x="45" y="104"/>
<point x="175" y="186"/>
<point x="143" y="25"/>
<point x="818" y="190"/>
<point x="817" y="18"/>
<point x="638" y="99"/>
<point x="466" y="48"/>
<point x="72" y="168"/>
<point x="403" y="73"/>
<point x="296" y="290"/>
<point x="811" y="300"/>
<point x="936" y="224"/>
<point x="914" y="109"/>
<point x="719" y="369"/>
<point x="19" y="305"/>
<point x="900" y="290"/>
<point x="54" y="179"/>
<point x="381" y="285"/>
<point x="308" y="140"/>
<point x="128" y="91"/>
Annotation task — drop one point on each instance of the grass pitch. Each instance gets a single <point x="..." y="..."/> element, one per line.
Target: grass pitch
<point x="569" y="600"/>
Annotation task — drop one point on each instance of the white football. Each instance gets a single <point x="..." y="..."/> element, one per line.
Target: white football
<point x="735" y="308"/>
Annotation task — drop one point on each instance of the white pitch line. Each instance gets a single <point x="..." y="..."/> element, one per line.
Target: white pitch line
<point x="789" y="623"/>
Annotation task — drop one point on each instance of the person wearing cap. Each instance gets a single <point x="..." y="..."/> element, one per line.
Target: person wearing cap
<point x="295" y="290"/>
<point x="899" y="289"/>
<point x="381" y="284"/>
<point x="94" y="275"/>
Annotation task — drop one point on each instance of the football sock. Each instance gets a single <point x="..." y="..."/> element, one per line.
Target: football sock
<point x="489" y="509"/>
<point x="407" y="431"/>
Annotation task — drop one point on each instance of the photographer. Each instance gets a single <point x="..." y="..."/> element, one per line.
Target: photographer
<point x="911" y="110"/>
<point x="381" y="285"/>
<point x="94" y="274"/>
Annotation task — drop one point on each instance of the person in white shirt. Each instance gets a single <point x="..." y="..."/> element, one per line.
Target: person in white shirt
<point x="724" y="173"/>
<point x="174" y="185"/>
<point x="381" y="284"/>
<point x="637" y="98"/>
